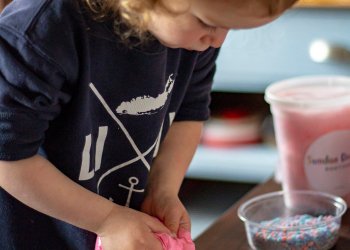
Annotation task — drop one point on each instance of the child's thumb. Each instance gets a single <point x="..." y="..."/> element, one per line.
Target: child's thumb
<point x="173" y="225"/>
<point x="185" y="224"/>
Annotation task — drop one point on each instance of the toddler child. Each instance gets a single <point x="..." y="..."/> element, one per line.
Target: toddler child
<point x="101" y="109"/>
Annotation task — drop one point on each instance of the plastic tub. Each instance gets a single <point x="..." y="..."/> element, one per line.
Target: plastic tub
<point x="312" y="127"/>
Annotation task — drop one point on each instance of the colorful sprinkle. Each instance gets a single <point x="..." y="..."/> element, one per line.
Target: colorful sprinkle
<point x="316" y="233"/>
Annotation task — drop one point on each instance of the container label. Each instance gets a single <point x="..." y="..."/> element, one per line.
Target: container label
<point x="327" y="163"/>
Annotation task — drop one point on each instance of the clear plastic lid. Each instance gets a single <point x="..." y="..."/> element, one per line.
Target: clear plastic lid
<point x="310" y="91"/>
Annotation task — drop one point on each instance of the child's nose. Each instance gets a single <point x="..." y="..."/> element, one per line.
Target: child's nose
<point x="218" y="38"/>
<point x="215" y="39"/>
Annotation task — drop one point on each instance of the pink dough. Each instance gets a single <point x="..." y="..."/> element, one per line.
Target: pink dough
<point x="182" y="242"/>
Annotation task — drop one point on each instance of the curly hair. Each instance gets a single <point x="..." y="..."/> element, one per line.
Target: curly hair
<point x="135" y="14"/>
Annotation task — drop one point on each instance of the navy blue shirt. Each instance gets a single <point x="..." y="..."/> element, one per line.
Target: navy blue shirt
<point x="97" y="108"/>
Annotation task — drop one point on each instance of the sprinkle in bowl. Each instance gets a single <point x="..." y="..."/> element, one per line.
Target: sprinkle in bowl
<point x="293" y="220"/>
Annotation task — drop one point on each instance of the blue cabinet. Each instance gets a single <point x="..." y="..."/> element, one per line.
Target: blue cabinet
<point x="249" y="164"/>
<point x="252" y="59"/>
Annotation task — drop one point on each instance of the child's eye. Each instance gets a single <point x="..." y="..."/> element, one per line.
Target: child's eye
<point x="207" y="26"/>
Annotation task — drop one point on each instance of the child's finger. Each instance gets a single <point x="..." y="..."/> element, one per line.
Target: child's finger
<point x="185" y="223"/>
<point x="157" y="226"/>
<point x="155" y="244"/>
<point x="173" y="222"/>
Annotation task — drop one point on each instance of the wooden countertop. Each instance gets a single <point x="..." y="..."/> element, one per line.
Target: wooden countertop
<point x="228" y="233"/>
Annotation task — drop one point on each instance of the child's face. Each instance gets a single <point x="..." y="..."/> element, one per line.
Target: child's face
<point x="207" y="22"/>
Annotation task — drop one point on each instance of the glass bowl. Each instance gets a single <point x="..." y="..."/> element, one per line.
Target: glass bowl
<point x="295" y="220"/>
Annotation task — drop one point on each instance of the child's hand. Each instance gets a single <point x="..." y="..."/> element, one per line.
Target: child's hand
<point x="169" y="209"/>
<point x="128" y="229"/>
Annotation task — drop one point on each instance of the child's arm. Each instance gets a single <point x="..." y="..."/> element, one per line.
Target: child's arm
<point x="38" y="184"/>
<point x="167" y="173"/>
